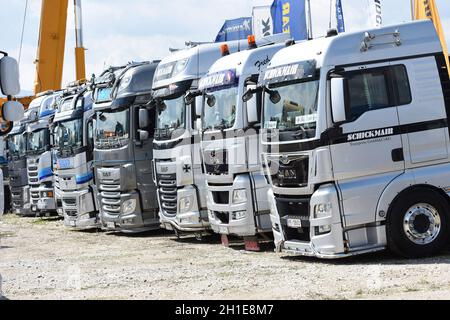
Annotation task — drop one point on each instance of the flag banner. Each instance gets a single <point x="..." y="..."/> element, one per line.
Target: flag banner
<point x="262" y="21"/>
<point x="340" y="17"/>
<point x="427" y="9"/>
<point x="376" y="17"/>
<point x="289" y="16"/>
<point x="236" y="29"/>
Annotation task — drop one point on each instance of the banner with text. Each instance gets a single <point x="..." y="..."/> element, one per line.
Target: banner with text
<point x="262" y="21"/>
<point x="236" y="29"/>
<point x="289" y="16"/>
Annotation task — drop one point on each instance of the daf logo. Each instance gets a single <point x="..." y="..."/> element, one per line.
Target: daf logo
<point x="164" y="169"/>
<point x="106" y="174"/>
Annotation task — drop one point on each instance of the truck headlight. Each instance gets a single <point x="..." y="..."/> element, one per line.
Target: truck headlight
<point x="322" y="210"/>
<point x="239" y="196"/>
<point x="185" y="204"/>
<point x="47" y="194"/>
<point x="129" y="206"/>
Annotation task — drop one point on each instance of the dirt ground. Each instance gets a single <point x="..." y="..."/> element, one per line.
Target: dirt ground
<point x="40" y="259"/>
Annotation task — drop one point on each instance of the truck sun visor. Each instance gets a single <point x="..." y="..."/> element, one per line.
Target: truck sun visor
<point x="287" y="73"/>
<point x="219" y="80"/>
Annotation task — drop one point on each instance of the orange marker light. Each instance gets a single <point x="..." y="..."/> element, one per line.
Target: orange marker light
<point x="225" y="50"/>
<point x="252" y="42"/>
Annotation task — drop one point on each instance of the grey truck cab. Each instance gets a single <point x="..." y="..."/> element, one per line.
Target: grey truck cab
<point x="356" y="143"/>
<point x="123" y="149"/>
<point x="177" y="160"/>
<point x="73" y="131"/>
<point x="236" y="187"/>
<point x="17" y="167"/>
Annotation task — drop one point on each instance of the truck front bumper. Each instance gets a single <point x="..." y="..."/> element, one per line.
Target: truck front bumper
<point x="20" y="198"/>
<point x="46" y="204"/>
<point x="78" y="209"/>
<point x="189" y="218"/>
<point x="320" y="237"/>
<point x="127" y="222"/>
<point x="227" y="217"/>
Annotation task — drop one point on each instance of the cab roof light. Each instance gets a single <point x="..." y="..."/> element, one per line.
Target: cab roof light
<point x="225" y="50"/>
<point x="252" y="42"/>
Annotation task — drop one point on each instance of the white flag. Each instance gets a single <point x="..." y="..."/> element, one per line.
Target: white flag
<point x="376" y="17"/>
<point x="262" y="21"/>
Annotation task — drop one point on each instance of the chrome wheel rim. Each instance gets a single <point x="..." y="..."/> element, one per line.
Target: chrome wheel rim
<point x="422" y="224"/>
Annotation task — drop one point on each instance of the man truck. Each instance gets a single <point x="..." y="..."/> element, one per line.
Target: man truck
<point x="73" y="129"/>
<point x="123" y="148"/>
<point x="236" y="187"/>
<point x="356" y="143"/>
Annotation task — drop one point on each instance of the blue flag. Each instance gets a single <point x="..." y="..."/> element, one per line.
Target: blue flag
<point x="340" y="16"/>
<point x="237" y="29"/>
<point x="289" y="16"/>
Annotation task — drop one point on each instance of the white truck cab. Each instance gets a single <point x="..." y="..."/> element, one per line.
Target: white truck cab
<point x="356" y="143"/>
<point x="236" y="187"/>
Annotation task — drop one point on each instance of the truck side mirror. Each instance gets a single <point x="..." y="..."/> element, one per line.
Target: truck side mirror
<point x="144" y="118"/>
<point x="9" y="76"/>
<point x="143" y="135"/>
<point x="199" y="107"/>
<point x="12" y="111"/>
<point x="338" y="100"/>
<point x="252" y="104"/>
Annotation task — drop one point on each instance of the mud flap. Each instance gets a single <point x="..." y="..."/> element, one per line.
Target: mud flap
<point x="252" y="244"/>
<point x="225" y="240"/>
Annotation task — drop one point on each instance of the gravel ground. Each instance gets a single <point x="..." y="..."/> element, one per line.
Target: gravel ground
<point x="40" y="259"/>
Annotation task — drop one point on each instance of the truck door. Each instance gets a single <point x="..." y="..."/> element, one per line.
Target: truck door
<point x="424" y="119"/>
<point x="369" y="153"/>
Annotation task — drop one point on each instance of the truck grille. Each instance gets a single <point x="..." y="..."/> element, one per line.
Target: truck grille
<point x="70" y="202"/>
<point x="289" y="171"/>
<point x="216" y="162"/>
<point x="294" y="208"/>
<point x="168" y="194"/>
<point x="34" y="196"/>
<point x="221" y="197"/>
<point x="110" y="198"/>
<point x="224" y="217"/>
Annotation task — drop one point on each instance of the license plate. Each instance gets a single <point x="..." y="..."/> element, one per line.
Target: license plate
<point x="110" y="225"/>
<point x="223" y="230"/>
<point x="294" y="223"/>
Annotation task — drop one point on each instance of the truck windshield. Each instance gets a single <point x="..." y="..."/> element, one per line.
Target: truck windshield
<point x="38" y="140"/>
<point x="17" y="145"/>
<point x="69" y="134"/>
<point x="112" y="128"/>
<point x="220" y="109"/>
<point x="292" y="108"/>
<point x="170" y="119"/>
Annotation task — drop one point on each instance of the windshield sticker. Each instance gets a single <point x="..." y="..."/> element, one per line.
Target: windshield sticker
<point x="297" y="71"/>
<point x="271" y="124"/>
<point x="311" y="118"/>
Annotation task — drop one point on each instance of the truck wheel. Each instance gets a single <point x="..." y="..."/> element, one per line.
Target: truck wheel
<point x="418" y="224"/>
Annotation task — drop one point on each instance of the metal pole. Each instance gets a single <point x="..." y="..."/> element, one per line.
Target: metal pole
<point x="80" y="59"/>
<point x="412" y="10"/>
<point x="78" y="23"/>
<point x="331" y="13"/>
<point x="310" y="20"/>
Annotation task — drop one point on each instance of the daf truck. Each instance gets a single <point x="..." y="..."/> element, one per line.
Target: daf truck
<point x="17" y="167"/>
<point x="236" y="187"/>
<point x="356" y="143"/>
<point x="40" y="154"/>
<point x="73" y="129"/>
<point x="123" y="149"/>
<point x="177" y="159"/>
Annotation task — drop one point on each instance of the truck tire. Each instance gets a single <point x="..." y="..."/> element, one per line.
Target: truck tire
<point x="418" y="224"/>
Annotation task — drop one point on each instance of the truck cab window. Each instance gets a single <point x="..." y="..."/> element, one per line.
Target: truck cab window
<point x="378" y="88"/>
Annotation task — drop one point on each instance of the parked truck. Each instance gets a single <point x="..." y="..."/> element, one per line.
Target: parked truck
<point x="17" y="167"/>
<point x="123" y="148"/>
<point x="177" y="159"/>
<point x="40" y="154"/>
<point x="356" y="143"/>
<point x="236" y="187"/>
<point x="73" y="129"/>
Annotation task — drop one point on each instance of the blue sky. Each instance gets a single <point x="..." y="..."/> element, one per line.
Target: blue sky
<point x="117" y="31"/>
